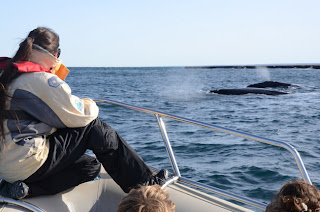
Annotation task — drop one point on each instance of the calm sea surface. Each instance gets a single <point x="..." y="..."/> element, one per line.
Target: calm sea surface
<point x="238" y="165"/>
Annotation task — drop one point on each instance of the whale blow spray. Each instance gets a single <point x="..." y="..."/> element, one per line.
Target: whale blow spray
<point x="263" y="72"/>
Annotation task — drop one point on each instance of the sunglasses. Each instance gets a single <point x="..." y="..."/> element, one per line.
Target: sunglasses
<point x="59" y="52"/>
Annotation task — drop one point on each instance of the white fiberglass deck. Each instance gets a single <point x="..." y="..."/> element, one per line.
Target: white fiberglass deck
<point x="104" y="195"/>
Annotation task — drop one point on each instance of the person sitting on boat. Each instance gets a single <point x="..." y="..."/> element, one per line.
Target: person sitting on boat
<point x="45" y="130"/>
<point x="296" y="195"/>
<point x="147" y="199"/>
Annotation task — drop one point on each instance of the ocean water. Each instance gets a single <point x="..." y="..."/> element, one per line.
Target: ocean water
<point x="237" y="165"/>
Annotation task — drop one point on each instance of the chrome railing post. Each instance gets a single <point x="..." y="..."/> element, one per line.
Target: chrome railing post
<point x="168" y="145"/>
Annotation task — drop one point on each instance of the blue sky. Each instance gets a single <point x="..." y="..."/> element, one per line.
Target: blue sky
<point x="170" y="32"/>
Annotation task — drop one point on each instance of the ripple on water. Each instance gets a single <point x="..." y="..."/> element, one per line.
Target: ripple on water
<point x="240" y="165"/>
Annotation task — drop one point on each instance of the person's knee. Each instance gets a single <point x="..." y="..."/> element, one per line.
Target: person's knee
<point x="103" y="137"/>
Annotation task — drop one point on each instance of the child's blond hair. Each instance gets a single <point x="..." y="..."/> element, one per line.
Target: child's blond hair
<point x="147" y="199"/>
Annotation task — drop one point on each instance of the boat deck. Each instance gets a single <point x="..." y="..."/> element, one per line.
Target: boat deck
<point x="104" y="195"/>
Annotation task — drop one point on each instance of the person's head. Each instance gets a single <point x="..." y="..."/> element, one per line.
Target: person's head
<point x="296" y="195"/>
<point x="41" y="37"/>
<point x="147" y="199"/>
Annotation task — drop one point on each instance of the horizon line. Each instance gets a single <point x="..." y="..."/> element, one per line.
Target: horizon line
<point x="275" y="65"/>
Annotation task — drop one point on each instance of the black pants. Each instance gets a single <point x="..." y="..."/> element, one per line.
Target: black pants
<point x="67" y="164"/>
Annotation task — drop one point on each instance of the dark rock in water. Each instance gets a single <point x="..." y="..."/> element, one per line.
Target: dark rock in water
<point x="269" y="84"/>
<point x="242" y="91"/>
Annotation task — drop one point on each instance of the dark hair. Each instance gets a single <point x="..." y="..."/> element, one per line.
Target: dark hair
<point x="42" y="36"/>
<point x="296" y="195"/>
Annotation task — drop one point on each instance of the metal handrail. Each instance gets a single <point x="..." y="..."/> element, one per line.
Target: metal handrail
<point x="168" y="146"/>
<point x="223" y="193"/>
<point x="159" y="114"/>
<point x="20" y="203"/>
